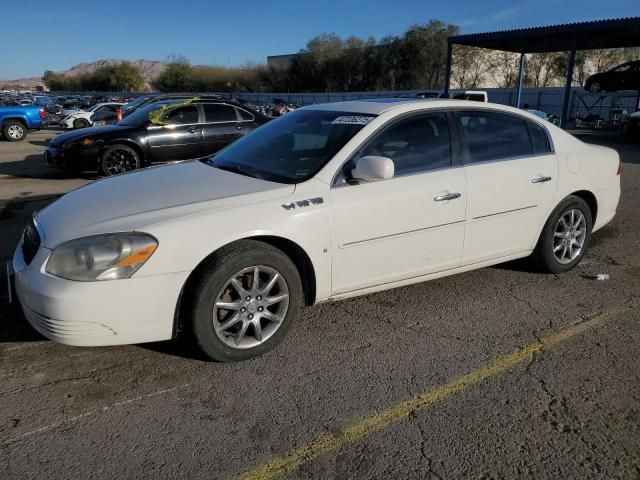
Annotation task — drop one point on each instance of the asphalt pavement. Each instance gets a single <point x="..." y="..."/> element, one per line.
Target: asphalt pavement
<point x="495" y="373"/>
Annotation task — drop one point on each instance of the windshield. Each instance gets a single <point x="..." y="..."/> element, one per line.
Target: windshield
<point x="292" y="148"/>
<point x="140" y="117"/>
<point x="131" y="106"/>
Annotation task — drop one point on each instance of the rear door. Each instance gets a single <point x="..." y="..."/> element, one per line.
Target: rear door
<point x="511" y="173"/>
<point x="179" y="139"/>
<point x="222" y="126"/>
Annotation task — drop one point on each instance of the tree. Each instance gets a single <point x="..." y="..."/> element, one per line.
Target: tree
<point x="504" y="68"/>
<point x="543" y="70"/>
<point x="469" y="66"/>
<point x="177" y="75"/>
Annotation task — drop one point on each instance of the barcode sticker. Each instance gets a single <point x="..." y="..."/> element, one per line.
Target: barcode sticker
<point x="351" y="120"/>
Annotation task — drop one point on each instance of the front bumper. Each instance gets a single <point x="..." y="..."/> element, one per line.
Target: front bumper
<point x="76" y="157"/>
<point x="67" y="122"/>
<point x="117" y="312"/>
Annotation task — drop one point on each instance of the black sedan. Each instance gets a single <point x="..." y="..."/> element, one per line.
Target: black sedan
<point x="622" y="77"/>
<point x="160" y="132"/>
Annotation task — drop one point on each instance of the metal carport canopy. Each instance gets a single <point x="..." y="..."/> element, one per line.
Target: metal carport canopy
<point x="569" y="37"/>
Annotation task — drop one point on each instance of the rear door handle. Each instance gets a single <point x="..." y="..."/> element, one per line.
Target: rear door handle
<point x="448" y="196"/>
<point x="540" y="179"/>
<point x="193" y="129"/>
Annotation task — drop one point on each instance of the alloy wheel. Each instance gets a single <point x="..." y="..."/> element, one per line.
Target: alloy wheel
<point x="569" y="236"/>
<point x="251" y="307"/>
<point x="118" y="161"/>
<point x="15" y="131"/>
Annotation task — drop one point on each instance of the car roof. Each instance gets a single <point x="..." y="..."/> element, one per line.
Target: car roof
<point x="377" y="106"/>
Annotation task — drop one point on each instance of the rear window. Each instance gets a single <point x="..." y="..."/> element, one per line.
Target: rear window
<point x="244" y="115"/>
<point x="219" y="113"/>
<point x="539" y="138"/>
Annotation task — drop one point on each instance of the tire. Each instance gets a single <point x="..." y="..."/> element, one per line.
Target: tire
<point x="550" y="254"/>
<point x="118" y="159"/>
<point x="217" y="330"/>
<point x="14" y="131"/>
<point x="81" y="123"/>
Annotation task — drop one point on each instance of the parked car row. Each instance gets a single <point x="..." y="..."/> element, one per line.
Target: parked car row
<point x="167" y="130"/>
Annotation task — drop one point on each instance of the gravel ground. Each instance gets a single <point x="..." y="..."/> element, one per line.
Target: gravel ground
<point x="331" y="400"/>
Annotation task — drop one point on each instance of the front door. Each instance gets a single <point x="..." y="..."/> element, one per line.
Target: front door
<point x="408" y="226"/>
<point x="179" y="139"/>
<point x="512" y="175"/>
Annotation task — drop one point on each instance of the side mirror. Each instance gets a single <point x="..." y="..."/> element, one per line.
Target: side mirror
<point x="371" y="168"/>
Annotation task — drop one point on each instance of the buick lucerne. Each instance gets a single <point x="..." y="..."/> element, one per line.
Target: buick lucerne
<point x="327" y="202"/>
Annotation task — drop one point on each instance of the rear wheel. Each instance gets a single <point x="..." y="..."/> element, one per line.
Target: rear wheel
<point x="119" y="159"/>
<point x="245" y="301"/>
<point x="565" y="236"/>
<point x="80" y="123"/>
<point x="14" y="131"/>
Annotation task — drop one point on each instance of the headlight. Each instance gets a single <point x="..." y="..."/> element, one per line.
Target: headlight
<point x="102" y="257"/>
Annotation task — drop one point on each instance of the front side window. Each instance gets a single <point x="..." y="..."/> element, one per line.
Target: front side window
<point x="214" y="113"/>
<point x="415" y="145"/>
<point x="493" y="136"/>
<point x="182" y="115"/>
<point x="292" y="148"/>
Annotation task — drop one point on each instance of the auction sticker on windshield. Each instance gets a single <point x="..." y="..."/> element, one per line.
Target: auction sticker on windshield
<point x="351" y="120"/>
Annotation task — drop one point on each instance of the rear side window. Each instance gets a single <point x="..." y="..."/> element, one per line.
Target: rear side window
<point x="219" y="113"/>
<point x="244" y="115"/>
<point x="493" y="136"/>
<point x="538" y="138"/>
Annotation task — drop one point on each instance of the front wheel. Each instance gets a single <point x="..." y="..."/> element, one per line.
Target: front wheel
<point x="565" y="236"/>
<point x="80" y="123"/>
<point x="245" y="301"/>
<point x="119" y="159"/>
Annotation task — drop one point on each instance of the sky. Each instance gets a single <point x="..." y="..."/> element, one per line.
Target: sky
<point x="55" y="35"/>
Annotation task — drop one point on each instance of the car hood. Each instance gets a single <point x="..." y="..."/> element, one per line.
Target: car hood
<point x="85" y="133"/>
<point x="136" y="200"/>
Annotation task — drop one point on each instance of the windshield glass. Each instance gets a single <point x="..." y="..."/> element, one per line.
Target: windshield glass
<point x="131" y="106"/>
<point x="140" y="117"/>
<point x="292" y="148"/>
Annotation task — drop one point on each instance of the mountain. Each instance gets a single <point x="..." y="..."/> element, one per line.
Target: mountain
<point x="149" y="69"/>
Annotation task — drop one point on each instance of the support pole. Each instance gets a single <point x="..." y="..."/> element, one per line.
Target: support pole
<point x="567" y="87"/>
<point x="520" y="75"/>
<point x="447" y="75"/>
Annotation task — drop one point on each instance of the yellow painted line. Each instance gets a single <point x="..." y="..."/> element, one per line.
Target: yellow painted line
<point x="328" y="442"/>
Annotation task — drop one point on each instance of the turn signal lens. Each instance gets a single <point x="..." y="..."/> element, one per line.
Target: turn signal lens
<point x="86" y="142"/>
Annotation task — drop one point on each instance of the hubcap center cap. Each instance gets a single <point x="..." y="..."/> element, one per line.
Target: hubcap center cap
<point x="252" y="306"/>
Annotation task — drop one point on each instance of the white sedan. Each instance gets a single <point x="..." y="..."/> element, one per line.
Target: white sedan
<point x="82" y="118"/>
<point x="328" y="202"/>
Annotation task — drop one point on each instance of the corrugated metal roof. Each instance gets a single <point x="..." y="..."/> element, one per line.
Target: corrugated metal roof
<point x="610" y="33"/>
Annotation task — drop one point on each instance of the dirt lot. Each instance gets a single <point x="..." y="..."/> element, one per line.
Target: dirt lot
<point x="497" y="373"/>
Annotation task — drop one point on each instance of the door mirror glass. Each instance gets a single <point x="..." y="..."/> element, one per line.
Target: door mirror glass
<point x="371" y="168"/>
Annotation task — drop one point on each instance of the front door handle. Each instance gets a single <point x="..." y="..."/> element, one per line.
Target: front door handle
<point x="193" y="129"/>
<point x="239" y="127"/>
<point x="448" y="196"/>
<point x="540" y="179"/>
